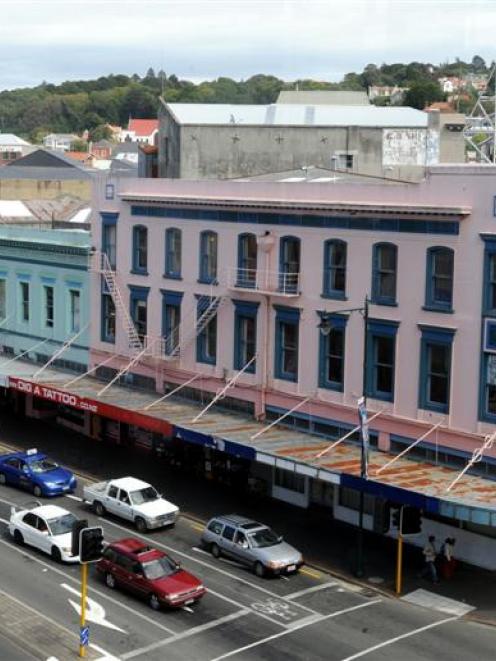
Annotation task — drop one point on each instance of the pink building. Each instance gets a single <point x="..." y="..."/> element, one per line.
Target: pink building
<point x="243" y="290"/>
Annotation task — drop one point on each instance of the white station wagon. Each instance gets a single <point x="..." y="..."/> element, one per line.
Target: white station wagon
<point x="45" y="527"/>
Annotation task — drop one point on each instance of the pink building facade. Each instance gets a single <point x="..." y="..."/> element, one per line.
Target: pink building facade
<point x="246" y="286"/>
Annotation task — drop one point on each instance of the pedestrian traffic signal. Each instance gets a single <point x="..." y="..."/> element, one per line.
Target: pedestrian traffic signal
<point x="91" y="544"/>
<point x="412" y="521"/>
<point x="397" y="518"/>
<point x="76" y="529"/>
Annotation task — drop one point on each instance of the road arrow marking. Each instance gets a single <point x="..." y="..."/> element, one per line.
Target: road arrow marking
<point x="94" y="612"/>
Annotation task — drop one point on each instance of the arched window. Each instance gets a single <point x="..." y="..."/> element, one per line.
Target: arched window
<point x="439" y="278"/>
<point x="140" y="249"/>
<point x="208" y="257"/>
<point x="289" y="264"/>
<point x="384" y="273"/>
<point x="335" y="255"/>
<point x="173" y="249"/>
<point x="247" y="260"/>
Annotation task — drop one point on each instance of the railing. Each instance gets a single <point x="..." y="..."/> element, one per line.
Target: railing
<point x="281" y="283"/>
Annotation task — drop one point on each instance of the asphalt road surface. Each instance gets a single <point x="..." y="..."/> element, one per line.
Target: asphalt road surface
<point x="309" y="616"/>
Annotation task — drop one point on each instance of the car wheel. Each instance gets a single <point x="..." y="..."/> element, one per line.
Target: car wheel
<point x="154" y="602"/>
<point x="98" y="508"/>
<point x="37" y="491"/>
<point x="140" y="524"/>
<point x="3" y="479"/>
<point x="56" y="554"/>
<point x="110" y="580"/>
<point x="18" y="538"/>
<point x="215" y="551"/>
<point x="259" y="569"/>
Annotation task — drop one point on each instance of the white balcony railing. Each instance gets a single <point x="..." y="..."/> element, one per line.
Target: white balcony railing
<point x="278" y="283"/>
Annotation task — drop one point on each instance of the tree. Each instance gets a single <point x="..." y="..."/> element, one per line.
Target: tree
<point x="422" y="94"/>
<point x="79" y="145"/>
<point x="478" y="64"/>
<point x="150" y="73"/>
<point x="101" y="132"/>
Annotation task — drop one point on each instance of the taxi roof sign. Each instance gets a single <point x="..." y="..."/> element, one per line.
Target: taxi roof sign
<point x="31" y="451"/>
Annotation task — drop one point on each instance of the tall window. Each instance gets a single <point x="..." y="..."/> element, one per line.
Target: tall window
<point x="74" y="310"/>
<point x="287" y="335"/>
<point x="206" y="342"/>
<point x="384" y="260"/>
<point x="245" y="334"/>
<point x="335" y="269"/>
<point x="140" y="314"/>
<point x="108" y="318"/>
<point x="381" y="354"/>
<point x="247" y="260"/>
<point x="24" y="287"/>
<point x="439" y="280"/>
<point x="331" y="362"/>
<point x="208" y="257"/>
<point x="173" y="252"/>
<point x="490" y="286"/>
<point x="289" y="264"/>
<point x="109" y="243"/>
<point x="435" y="368"/>
<point x="171" y="320"/>
<point x="140" y="249"/>
<point x="48" y="305"/>
<point x="3" y="299"/>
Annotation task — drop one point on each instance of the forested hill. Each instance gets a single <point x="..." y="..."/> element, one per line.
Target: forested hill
<point x="75" y="106"/>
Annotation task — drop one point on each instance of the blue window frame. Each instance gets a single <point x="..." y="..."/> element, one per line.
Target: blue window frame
<point x="206" y="340"/>
<point x="109" y="237"/>
<point x="140" y="249"/>
<point x="381" y="358"/>
<point x="245" y="334"/>
<point x="289" y="264"/>
<point x="247" y="260"/>
<point x="287" y="335"/>
<point x="173" y="250"/>
<point x="335" y="257"/>
<point x="384" y="273"/>
<point x="171" y="320"/>
<point x="489" y="278"/>
<point x="331" y="353"/>
<point x="107" y="319"/>
<point x="208" y="257"/>
<point x="138" y="309"/>
<point x="439" y="279"/>
<point x="435" y="368"/>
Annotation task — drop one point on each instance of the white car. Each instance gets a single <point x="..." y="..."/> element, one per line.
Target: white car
<point x="45" y="527"/>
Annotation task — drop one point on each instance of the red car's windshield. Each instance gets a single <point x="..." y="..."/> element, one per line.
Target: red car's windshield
<point x="159" y="568"/>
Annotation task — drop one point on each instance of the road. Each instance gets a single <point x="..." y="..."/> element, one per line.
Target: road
<point x="309" y="616"/>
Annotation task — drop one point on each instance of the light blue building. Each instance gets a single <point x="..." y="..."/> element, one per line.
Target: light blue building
<point x="44" y="295"/>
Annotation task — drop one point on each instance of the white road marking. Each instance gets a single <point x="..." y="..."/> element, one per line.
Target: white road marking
<point x="106" y="656"/>
<point x="296" y="627"/>
<point x="396" y="638"/>
<point x="73" y="497"/>
<point x="315" y="588"/>
<point x="187" y="609"/>
<point x="186" y="634"/>
<point x="252" y="610"/>
<point x="276" y="607"/>
<point x="437" y="602"/>
<point x="94" y="611"/>
<point x="134" y="612"/>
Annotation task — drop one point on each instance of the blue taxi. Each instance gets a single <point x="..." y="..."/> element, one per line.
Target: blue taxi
<point x="35" y="472"/>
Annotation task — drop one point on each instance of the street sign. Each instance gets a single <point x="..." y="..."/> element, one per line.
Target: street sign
<point x="84" y="636"/>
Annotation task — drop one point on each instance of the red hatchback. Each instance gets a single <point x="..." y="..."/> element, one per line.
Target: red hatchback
<point x="148" y="573"/>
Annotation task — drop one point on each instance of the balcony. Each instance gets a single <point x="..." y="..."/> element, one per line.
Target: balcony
<point x="274" y="283"/>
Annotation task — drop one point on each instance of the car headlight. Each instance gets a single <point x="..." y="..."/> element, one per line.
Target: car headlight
<point x="50" y="485"/>
<point x="275" y="564"/>
<point x="66" y="549"/>
<point x="172" y="597"/>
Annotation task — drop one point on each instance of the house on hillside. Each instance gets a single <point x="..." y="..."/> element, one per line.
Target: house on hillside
<point x="59" y="141"/>
<point x="12" y="147"/>
<point x="393" y="93"/>
<point x="143" y="131"/>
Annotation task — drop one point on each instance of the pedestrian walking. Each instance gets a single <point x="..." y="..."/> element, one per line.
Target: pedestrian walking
<point x="448" y="562"/>
<point x="430" y="554"/>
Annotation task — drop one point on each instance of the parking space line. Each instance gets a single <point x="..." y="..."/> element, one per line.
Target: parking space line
<point x="186" y="634"/>
<point x="296" y="627"/>
<point x="391" y="641"/>
<point x="310" y="572"/>
<point x="73" y="497"/>
<point x="197" y="526"/>
<point x="315" y="588"/>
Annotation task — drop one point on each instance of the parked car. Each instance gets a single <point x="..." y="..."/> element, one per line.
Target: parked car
<point x="149" y="573"/>
<point x="34" y="471"/>
<point x="133" y="500"/>
<point x="47" y="528"/>
<point x="252" y="544"/>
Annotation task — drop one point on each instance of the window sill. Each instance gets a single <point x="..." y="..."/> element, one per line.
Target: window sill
<point x="290" y="378"/>
<point x="108" y="340"/>
<point x="205" y="361"/>
<point x="434" y="308"/>
<point x="206" y="281"/>
<point x="437" y="408"/>
<point x="383" y="397"/>
<point x="335" y="387"/>
<point x="334" y="296"/>
<point x="138" y="272"/>
<point x="381" y="301"/>
<point x="172" y="276"/>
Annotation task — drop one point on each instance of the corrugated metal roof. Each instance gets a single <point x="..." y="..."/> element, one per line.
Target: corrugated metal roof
<point x="324" y="97"/>
<point x="11" y="140"/>
<point x="297" y="115"/>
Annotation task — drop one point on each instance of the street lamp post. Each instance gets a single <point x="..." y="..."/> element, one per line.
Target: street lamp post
<point x="325" y="327"/>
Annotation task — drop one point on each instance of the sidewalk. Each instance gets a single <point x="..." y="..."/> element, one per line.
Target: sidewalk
<point x="325" y="543"/>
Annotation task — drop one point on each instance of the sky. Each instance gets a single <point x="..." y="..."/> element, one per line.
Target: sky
<point x="57" y="40"/>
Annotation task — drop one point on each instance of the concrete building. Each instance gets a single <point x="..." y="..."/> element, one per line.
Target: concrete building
<point x="12" y="147"/>
<point x="201" y="141"/>
<point x="44" y="295"/>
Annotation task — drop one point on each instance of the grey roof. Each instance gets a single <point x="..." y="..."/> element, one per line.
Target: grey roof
<point x="296" y="115"/>
<point x="324" y="98"/>
<point x="11" y="140"/>
<point x="318" y="175"/>
<point x="125" y="148"/>
<point x="45" y="165"/>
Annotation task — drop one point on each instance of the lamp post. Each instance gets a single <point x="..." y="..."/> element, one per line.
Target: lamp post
<point x="325" y="328"/>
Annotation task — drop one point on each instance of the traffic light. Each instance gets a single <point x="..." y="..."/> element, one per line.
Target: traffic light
<point x="397" y="518"/>
<point x="76" y="529"/>
<point x="412" y="521"/>
<point x="90" y="544"/>
<point x="381" y="515"/>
